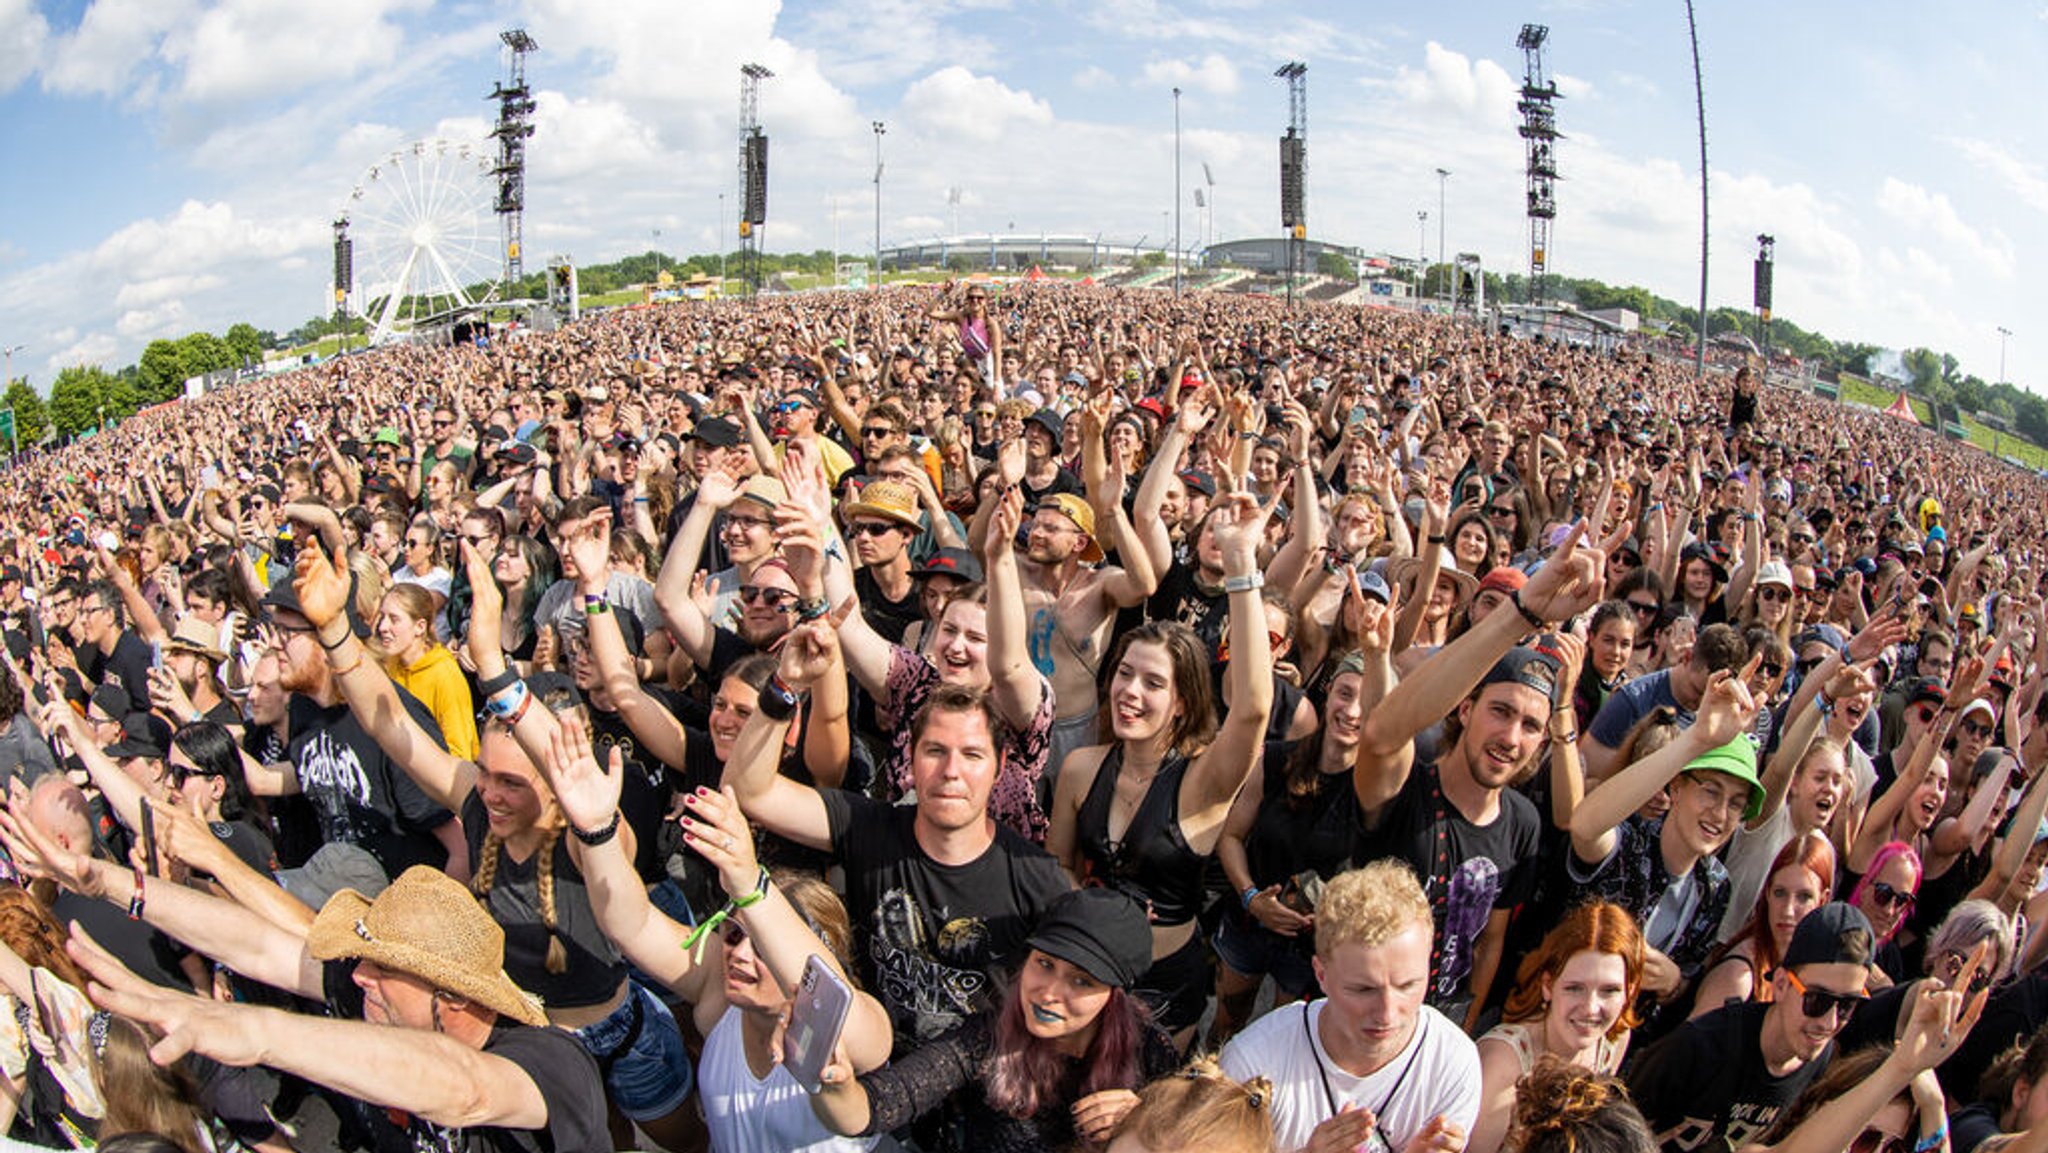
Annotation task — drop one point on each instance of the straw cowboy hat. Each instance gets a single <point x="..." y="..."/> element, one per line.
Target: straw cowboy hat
<point x="426" y="924"/>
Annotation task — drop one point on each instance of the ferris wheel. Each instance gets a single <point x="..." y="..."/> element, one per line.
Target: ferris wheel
<point x="425" y="240"/>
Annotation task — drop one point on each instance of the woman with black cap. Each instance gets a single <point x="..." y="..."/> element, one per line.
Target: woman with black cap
<point x="1058" y="1065"/>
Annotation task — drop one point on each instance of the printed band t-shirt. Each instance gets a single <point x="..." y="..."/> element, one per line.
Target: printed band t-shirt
<point x="937" y="941"/>
<point x="360" y="795"/>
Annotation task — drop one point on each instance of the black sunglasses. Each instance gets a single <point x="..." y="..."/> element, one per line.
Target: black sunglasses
<point x="773" y="598"/>
<point x="1818" y="1003"/>
<point x="1886" y="894"/>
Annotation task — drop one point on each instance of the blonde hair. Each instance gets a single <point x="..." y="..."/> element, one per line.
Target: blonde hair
<point x="544" y="870"/>
<point x="1202" y="1108"/>
<point x="1370" y="906"/>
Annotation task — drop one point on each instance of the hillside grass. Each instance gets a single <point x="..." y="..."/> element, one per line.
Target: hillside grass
<point x="1855" y="391"/>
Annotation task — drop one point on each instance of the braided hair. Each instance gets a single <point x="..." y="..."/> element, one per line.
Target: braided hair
<point x="487" y="875"/>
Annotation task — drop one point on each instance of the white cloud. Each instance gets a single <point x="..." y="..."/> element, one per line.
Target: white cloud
<point x="2022" y="177"/>
<point x="23" y="32"/>
<point x="1573" y="87"/>
<point x="1481" y="94"/>
<point x="1094" y="78"/>
<point x="955" y="102"/>
<point x="1212" y="73"/>
<point x="252" y="49"/>
<point x="1932" y="212"/>
<point x="95" y="348"/>
<point x="112" y="42"/>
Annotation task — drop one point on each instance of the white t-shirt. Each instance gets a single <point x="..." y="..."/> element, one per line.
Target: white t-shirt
<point x="1437" y="1072"/>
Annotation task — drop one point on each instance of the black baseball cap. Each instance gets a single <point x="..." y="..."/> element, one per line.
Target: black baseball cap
<point x="1526" y="667"/>
<point x="1837" y="933"/>
<point x="953" y="562"/>
<point x="718" y="432"/>
<point x="142" y="735"/>
<point x="1102" y="931"/>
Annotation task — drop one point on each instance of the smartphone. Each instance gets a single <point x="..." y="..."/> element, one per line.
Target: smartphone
<point x="817" y="1015"/>
<point x="149" y="859"/>
<point x="156" y="654"/>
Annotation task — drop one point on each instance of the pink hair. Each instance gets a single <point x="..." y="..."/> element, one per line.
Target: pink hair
<point x="1025" y="1072"/>
<point x="1878" y="861"/>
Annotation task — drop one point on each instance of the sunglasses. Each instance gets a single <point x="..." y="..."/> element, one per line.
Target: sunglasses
<point x="733" y="934"/>
<point x="869" y="528"/>
<point x="1773" y="593"/>
<point x="1818" y="1003"/>
<point x="1874" y="1141"/>
<point x="773" y="598"/>
<point x="1642" y="610"/>
<point x="1887" y="895"/>
<point x="1770" y="668"/>
<point x="878" y="430"/>
<point x="1975" y="728"/>
<point x="1811" y="592"/>
<point x="745" y="523"/>
<point x="444" y="424"/>
<point x="1499" y="510"/>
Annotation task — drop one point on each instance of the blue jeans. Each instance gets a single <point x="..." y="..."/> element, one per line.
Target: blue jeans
<point x="640" y="1052"/>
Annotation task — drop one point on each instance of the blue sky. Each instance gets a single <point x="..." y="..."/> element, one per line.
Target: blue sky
<point x="174" y="164"/>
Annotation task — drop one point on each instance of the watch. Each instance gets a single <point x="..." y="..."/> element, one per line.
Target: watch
<point x="1249" y="583"/>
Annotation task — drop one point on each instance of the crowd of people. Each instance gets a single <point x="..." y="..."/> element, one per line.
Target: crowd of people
<point x="1152" y="722"/>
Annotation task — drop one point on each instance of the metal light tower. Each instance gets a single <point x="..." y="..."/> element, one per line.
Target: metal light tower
<point x="1766" y="247"/>
<point x="880" y="131"/>
<point x="1539" y="129"/>
<point x="1699" y="92"/>
<point x="1294" y="169"/>
<point x="344" y="275"/>
<point x="1209" y="178"/>
<point x="2004" y="334"/>
<point x="753" y="174"/>
<point x="515" y="124"/>
<point x="1421" y="251"/>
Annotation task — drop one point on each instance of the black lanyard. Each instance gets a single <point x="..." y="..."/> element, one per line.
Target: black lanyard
<point x="1379" y="1114"/>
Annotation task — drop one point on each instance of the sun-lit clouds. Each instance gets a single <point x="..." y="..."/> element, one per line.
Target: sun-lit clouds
<point x="956" y="102"/>
<point x="1213" y="74"/>
<point x="23" y="32"/>
<point x="1918" y="209"/>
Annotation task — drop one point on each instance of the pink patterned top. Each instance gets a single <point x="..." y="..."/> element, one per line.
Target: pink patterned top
<point x="1014" y="800"/>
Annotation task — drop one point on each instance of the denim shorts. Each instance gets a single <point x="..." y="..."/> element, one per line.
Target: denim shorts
<point x="640" y="1051"/>
<point x="1252" y="950"/>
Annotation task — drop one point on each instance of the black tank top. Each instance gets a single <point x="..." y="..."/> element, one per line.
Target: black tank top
<point x="1152" y="863"/>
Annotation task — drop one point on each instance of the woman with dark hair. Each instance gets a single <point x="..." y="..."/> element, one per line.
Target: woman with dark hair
<point x="1508" y="514"/>
<point x="1573" y="1000"/>
<point x="1611" y="640"/>
<point x="524" y="568"/>
<point x="203" y="773"/>
<point x="1143" y="814"/>
<point x="1471" y="544"/>
<point x="1058" y="1064"/>
<point x="1802" y="879"/>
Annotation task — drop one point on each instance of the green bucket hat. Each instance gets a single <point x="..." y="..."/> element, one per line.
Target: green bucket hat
<point x="1736" y="759"/>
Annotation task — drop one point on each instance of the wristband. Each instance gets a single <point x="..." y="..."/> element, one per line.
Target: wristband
<point x="1250" y="891"/>
<point x="1932" y="1141"/>
<point x="1439" y="538"/>
<point x="1570" y="738"/>
<point x="135" y="902"/>
<point x="1248" y="583"/>
<point x="595" y="607"/>
<point x="778" y="700"/>
<point x="346" y="633"/>
<point x="525" y="702"/>
<point x="813" y="609"/>
<point x="598" y="836"/>
<point x="504" y="703"/>
<point x="491" y="687"/>
<point x="1535" y="622"/>
<point x="759" y="894"/>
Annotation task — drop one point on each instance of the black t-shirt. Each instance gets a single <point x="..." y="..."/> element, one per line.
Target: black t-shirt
<point x="1467" y="870"/>
<point x="1062" y="481"/>
<point x="360" y="795"/>
<point x="1971" y="1126"/>
<point x="1705" y="1086"/>
<point x="2011" y="1013"/>
<point x="1180" y="598"/>
<point x="646" y="788"/>
<point x="127" y="669"/>
<point x="940" y="940"/>
<point x="595" y="967"/>
<point x="151" y="955"/>
<point x="1291" y="834"/>
<point x="890" y="618"/>
<point x="561" y="1069"/>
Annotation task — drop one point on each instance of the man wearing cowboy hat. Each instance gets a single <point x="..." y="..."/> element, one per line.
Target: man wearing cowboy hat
<point x="192" y="658"/>
<point x="879" y="529"/>
<point x="425" y="1029"/>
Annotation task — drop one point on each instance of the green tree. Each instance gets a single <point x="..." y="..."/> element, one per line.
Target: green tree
<point x="1336" y="266"/>
<point x="205" y="352"/>
<point x="161" y="371"/>
<point x="75" y="398"/>
<point x="247" y="342"/>
<point x="30" y="419"/>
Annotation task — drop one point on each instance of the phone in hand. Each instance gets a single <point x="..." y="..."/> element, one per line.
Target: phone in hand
<point x="817" y="1016"/>
<point x="149" y="857"/>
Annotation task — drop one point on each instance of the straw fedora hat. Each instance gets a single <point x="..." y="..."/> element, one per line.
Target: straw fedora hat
<point x="887" y="500"/>
<point x="426" y="924"/>
<point x="1402" y="571"/>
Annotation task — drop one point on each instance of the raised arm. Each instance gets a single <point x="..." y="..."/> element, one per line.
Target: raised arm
<point x="1017" y="685"/>
<point x="656" y="728"/>
<point x="430" y="1075"/>
<point x="1216" y="775"/>
<point x="1725" y="713"/>
<point x="773" y="801"/>
<point x="693" y="630"/>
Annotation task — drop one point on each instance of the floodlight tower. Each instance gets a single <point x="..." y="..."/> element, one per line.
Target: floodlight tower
<point x="753" y="174"/>
<point x="1294" y="169"/>
<point x="1539" y="131"/>
<point x="515" y="124"/>
<point x="344" y="275"/>
<point x="1760" y="296"/>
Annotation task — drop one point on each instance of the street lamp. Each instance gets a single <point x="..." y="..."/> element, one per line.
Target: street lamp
<point x="12" y="349"/>
<point x="1176" y="192"/>
<point x="1443" y="179"/>
<point x="880" y="130"/>
<point x="1421" y="251"/>
<point x="2004" y="334"/>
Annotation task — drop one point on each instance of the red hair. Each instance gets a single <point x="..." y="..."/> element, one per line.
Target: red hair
<point x="1596" y="926"/>
<point x="1025" y="1072"/>
<point x="1811" y="850"/>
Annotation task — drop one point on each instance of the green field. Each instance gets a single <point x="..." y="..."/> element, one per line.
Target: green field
<point x="1856" y="391"/>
